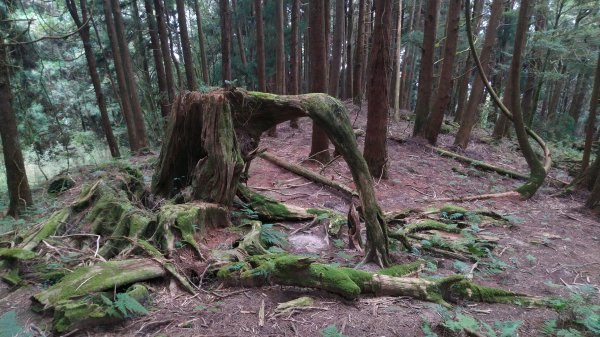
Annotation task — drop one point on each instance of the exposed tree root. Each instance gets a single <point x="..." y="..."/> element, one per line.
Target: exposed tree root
<point x="346" y="191"/>
<point x="301" y="271"/>
<point x="269" y="209"/>
<point x="509" y="194"/>
<point x="480" y="164"/>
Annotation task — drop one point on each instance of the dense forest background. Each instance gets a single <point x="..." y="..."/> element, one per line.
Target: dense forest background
<point x="152" y="50"/>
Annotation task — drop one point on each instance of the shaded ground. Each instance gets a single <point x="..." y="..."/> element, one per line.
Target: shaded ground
<point x="554" y="240"/>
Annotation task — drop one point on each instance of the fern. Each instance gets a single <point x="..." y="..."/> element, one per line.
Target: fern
<point x="124" y="306"/>
<point x="273" y="237"/>
<point x="508" y="328"/>
<point x="427" y="332"/>
<point x="10" y="327"/>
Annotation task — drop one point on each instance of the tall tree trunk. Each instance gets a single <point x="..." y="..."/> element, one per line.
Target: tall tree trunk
<point x="409" y="60"/>
<point x="136" y="107"/>
<point x="186" y="47"/>
<point x="579" y="94"/>
<point x="279" y="56"/>
<point x="295" y="57"/>
<point x="531" y="95"/>
<point x="121" y="80"/>
<point x="239" y="35"/>
<point x="16" y="177"/>
<point x="397" y="55"/>
<point x="165" y="47"/>
<point x="348" y="70"/>
<point x="426" y="75"/>
<point x="463" y="84"/>
<point x="319" y="149"/>
<point x="557" y="92"/>
<point x="84" y="33"/>
<point x="142" y="57"/>
<point x="337" y="49"/>
<point x="359" y="54"/>
<point x="590" y="126"/>
<point x="225" y="19"/>
<point x="436" y="117"/>
<point x="477" y="91"/>
<point x="201" y="43"/>
<point x="260" y="46"/>
<point x="375" y="151"/>
<point x="158" y="60"/>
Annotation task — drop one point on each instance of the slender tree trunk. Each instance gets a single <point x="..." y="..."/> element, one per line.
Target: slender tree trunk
<point x="260" y="46"/>
<point x="477" y="91"/>
<point x="319" y="149"/>
<point x="375" y="151"/>
<point x="136" y="107"/>
<point x="409" y="60"/>
<point x="557" y="92"/>
<point x="531" y="94"/>
<point x="398" y="53"/>
<point x="165" y="49"/>
<point x="578" y="97"/>
<point x="158" y="60"/>
<point x="590" y="126"/>
<point x="436" y="117"/>
<point x="84" y="34"/>
<point x="239" y="35"/>
<point x="225" y="19"/>
<point x="142" y="57"/>
<point x="279" y="56"/>
<point x="201" y="43"/>
<point x="337" y="49"/>
<point x="16" y="177"/>
<point x="348" y="70"/>
<point x="359" y="54"/>
<point x="426" y="75"/>
<point x="134" y="144"/>
<point x="186" y="47"/>
<point x="295" y="57"/>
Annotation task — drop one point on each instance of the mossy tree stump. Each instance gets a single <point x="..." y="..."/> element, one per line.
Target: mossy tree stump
<point x="212" y="137"/>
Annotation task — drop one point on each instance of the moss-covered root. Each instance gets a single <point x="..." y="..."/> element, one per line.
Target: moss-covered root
<point x="99" y="277"/>
<point x="430" y="225"/>
<point x="269" y="209"/>
<point x="97" y="309"/>
<point x="47" y="229"/>
<point x="191" y="221"/>
<point x="301" y="271"/>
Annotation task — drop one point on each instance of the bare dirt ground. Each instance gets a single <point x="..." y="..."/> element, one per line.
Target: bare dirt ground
<point x="554" y="241"/>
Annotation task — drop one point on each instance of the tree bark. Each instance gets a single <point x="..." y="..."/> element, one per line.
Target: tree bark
<point x="131" y="85"/>
<point x="134" y="144"/>
<point x="188" y="61"/>
<point x="579" y="94"/>
<point x="359" y="54"/>
<point x="375" y="151"/>
<point x="469" y="118"/>
<point x="590" y="126"/>
<point x="280" y="74"/>
<point x="337" y="49"/>
<point x="397" y="57"/>
<point x="201" y="42"/>
<point x="319" y="149"/>
<point x="260" y="46"/>
<point x="426" y="75"/>
<point x="348" y="71"/>
<point x="165" y="106"/>
<point x="436" y="117"/>
<point x="16" y="177"/>
<point x="84" y="33"/>
<point x="295" y="57"/>
<point x="165" y="49"/>
<point x="225" y="19"/>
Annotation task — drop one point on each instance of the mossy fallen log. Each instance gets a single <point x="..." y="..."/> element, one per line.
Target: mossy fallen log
<point x="99" y="277"/>
<point x="302" y="271"/>
<point x="98" y="309"/>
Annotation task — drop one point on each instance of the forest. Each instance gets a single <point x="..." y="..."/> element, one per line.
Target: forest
<point x="300" y="168"/>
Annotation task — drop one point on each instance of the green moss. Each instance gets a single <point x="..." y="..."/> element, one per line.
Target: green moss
<point x="429" y="224"/>
<point x="12" y="277"/>
<point x="49" y="228"/>
<point x="451" y="209"/>
<point x="402" y="269"/>
<point x="267" y="208"/>
<point x="16" y="254"/>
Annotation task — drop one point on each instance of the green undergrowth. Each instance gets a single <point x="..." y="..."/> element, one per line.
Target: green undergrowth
<point x="458" y="322"/>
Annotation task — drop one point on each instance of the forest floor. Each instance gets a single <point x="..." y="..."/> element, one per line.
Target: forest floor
<point x="553" y="246"/>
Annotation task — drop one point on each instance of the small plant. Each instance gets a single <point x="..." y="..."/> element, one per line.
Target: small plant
<point x="579" y="315"/>
<point x="331" y="331"/>
<point x="124" y="306"/>
<point x="272" y="237"/>
<point x="472" y="326"/>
